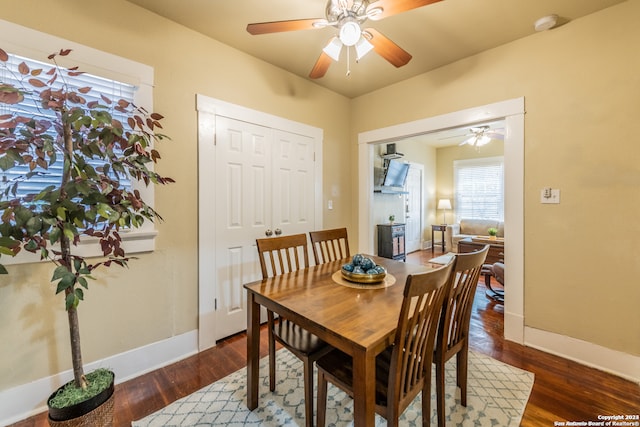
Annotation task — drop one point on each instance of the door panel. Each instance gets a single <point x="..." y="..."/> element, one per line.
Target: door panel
<point x="293" y="181"/>
<point x="242" y="213"/>
<point x="413" y="208"/>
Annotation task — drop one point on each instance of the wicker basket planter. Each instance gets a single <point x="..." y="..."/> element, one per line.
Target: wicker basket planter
<point x="95" y="412"/>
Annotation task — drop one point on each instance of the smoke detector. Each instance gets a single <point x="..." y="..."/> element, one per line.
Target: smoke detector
<point x="546" y="23"/>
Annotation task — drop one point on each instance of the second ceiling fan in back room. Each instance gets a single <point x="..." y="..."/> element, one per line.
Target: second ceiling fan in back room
<point x="348" y="16"/>
<point x="478" y="135"/>
<point x="482" y="135"/>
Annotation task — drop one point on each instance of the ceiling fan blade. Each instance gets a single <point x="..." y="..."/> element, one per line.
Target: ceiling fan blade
<point x="281" y="26"/>
<point x="495" y="135"/>
<point x="384" y="8"/>
<point x="454" y="136"/>
<point x="386" y="48"/>
<point x="321" y="66"/>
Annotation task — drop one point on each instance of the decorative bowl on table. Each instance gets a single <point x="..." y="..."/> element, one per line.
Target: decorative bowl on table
<point x="363" y="270"/>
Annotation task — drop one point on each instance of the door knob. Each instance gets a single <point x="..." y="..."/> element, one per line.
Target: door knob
<point x="268" y="233"/>
<point x="278" y="232"/>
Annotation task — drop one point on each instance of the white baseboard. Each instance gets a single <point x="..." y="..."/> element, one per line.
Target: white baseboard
<point x="605" y="359"/>
<point x="513" y="327"/>
<point x="29" y="399"/>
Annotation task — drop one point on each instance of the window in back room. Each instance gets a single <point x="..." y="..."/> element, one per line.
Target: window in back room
<point x="479" y="188"/>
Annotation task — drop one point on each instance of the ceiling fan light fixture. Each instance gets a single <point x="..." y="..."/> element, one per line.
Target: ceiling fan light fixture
<point x="482" y="140"/>
<point x="362" y="48"/>
<point x="478" y="136"/>
<point x="469" y="141"/>
<point x="333" y="49"/>
<point x="350" y="33"/>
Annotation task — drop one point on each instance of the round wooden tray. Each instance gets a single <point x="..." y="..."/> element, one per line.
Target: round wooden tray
<point x="387" y="281"/>
<point x="363" y="278"/>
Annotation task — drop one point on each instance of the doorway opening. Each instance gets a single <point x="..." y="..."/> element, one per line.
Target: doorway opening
<point x="512" y="112"/>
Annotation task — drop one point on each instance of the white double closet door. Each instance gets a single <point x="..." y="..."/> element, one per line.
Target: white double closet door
<point x="264" y="182"/>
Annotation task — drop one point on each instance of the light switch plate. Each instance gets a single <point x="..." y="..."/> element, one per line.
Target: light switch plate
<point x="550" y="195"/>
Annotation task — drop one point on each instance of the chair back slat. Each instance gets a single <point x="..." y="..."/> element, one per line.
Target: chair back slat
<point x="456" y="316"/>
<point x="282" y="254"/>
<point x="329" y="245"/>
<point x="415" y="337"/>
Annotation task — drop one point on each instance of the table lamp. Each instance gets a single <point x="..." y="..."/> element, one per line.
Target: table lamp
<point x="444" y="204"/>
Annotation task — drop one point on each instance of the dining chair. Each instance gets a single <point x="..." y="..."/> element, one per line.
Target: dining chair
<point x="282" y="255"/>
<point x="329" y="245"/>
<point x="403" y="370"/>
<point x="453" y="332"/>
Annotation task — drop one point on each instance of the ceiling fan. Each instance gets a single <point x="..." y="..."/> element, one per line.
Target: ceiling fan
<point x="348" y="16"/>
<point x="482" y="135"/>
<point x="478" y="135"/>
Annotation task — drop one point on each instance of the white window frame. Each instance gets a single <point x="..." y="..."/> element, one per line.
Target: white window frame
<point x="110" y="88"/>
<point x="478" y="162"/>
<point x="34" y="44"/>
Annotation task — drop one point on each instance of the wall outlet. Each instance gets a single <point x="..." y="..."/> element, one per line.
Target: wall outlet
<point x="550" y="195"/>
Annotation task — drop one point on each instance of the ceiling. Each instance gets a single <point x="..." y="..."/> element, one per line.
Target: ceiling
<point x="435" y="35"/>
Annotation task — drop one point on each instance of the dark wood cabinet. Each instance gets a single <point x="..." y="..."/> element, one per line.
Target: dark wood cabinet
<point x="391" y="241"/>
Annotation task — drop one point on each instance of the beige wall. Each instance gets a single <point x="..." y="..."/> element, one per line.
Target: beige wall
<point x="582" y="94"/>
<point x="157" y="297"/>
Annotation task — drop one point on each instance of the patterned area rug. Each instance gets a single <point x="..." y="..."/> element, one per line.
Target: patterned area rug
<point x="498" y="394"/>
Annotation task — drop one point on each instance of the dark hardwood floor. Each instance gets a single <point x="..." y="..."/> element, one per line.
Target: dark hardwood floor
<point x="563" y="390"/>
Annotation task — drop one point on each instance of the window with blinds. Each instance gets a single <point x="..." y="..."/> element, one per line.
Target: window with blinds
<point x="479" y="188"/>
<point x="112" y="89"/>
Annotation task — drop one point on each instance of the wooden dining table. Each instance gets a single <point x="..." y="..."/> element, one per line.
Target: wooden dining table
<point x="361" y="320"/>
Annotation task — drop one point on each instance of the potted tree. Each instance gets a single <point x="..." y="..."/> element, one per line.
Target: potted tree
<point x="89" y="201"/>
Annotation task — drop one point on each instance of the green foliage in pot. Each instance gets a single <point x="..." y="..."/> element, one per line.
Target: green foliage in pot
<point x="392" y="218"/>
<point x="90" y="200"/>
<point x="492" y="231"/>
<point x="69" y="395"/>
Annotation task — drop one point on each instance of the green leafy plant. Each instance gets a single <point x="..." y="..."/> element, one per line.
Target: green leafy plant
<point x="392" y="218"/>
<point x="69" y="395"/>
<point x="492" y="231"/>
<point x="98" y="151"/>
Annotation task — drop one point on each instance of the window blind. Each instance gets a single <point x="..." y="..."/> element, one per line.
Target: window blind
<point x="479" y="188"/>
<point x="112" y="89"/>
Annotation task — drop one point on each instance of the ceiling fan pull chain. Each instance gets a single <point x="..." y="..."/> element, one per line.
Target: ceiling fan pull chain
<point x="348" y="61"/>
